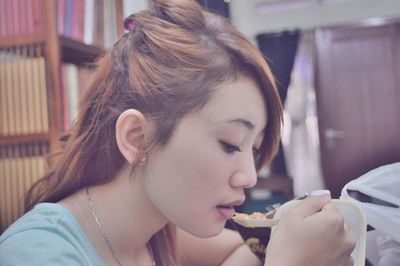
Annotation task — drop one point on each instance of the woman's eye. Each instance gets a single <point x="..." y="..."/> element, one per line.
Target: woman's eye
<point x="256" y="154"/>
<point x="229" y="148"/>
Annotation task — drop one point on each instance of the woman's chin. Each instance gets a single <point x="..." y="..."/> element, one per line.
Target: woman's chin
<point x="209" y="231"/>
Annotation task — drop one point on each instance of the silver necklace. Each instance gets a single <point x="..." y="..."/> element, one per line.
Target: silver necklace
<point x="105" y="236"/>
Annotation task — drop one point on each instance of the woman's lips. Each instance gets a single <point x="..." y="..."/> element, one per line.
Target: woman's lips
<point x="226" y="211"/>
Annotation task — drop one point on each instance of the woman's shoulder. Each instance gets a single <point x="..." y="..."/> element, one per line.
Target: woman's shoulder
<point x="48" y="233"/>
<point x="44" y="217"/>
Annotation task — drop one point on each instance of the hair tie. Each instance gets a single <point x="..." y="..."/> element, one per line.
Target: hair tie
<point x="129" y="23"/>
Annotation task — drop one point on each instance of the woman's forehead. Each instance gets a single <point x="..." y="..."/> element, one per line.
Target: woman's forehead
<point x="237" y="100"/>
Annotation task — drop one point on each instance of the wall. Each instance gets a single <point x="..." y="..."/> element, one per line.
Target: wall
<point x="133" y="6"/>
<point x="251" y="22"/>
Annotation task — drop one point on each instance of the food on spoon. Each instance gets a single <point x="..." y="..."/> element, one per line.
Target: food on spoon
<point x="253" y="216"/>
<point x="256" y="219"/>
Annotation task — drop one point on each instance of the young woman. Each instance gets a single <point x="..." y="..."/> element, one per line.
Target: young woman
<point x="177" y="119"/>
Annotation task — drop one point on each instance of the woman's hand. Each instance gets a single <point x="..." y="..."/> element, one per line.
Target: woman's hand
<point x="242" y="256"/>
<point x="311" y="234"/>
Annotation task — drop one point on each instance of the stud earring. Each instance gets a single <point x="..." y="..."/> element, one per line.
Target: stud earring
<point x="142" y="158"/>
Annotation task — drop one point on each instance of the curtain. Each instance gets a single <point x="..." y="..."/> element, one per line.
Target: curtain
<point x="300" y="136"/>
<point x="217" y="6"/>
<point x="280" y="51"/>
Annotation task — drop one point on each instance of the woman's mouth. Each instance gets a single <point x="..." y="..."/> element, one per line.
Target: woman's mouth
<point x="226" y="211"/>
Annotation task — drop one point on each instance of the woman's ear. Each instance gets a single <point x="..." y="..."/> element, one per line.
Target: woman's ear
<point x="129" y="132"/>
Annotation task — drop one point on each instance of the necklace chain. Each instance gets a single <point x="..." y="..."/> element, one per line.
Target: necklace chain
<point x="104" y="233"/>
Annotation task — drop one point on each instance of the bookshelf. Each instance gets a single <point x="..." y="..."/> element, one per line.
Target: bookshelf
<point x="24" y="138"/>
<point x="37" y="38"/>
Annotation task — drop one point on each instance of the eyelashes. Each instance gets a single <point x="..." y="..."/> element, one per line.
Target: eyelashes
<point x="256" y="155"/>
<point x="230" y="148"/>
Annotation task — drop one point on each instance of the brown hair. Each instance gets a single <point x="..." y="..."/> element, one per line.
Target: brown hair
<point x="167" y="66"/>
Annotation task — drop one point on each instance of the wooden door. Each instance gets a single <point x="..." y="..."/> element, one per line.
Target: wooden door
<point x="358" y="99"/>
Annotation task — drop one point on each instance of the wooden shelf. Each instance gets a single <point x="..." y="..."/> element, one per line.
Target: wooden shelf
<point x="22" y="40"/>
<point x="17" y="139"/>
<point x="56" y="50"/>
<point x="73" y="51"/>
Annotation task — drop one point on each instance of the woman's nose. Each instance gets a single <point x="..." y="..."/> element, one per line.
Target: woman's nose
<point x="246" y="177"/>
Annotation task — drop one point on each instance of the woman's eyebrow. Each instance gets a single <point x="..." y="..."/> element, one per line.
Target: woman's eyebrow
<point x="249" y="125"/>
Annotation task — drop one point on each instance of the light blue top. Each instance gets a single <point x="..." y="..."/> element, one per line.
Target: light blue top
<point x="47" y="235"/>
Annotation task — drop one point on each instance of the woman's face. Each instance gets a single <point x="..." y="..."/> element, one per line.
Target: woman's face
<point x="199" y="176"/>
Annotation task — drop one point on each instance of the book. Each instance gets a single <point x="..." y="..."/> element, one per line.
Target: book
<point x="106" y="23"/>
<point x="15" y="17"/>
<point x="10" y="97"/>
<point x="37" y="8"/>
<point x="7" y="189"/>
<point x="37" y="120"/>
<point x="8" y="18"/>
<point x="30" y="95"/>
<point x="4" y="115"/>
<point x="64" y="94"/>
<point x="2" y="190"/>
<point x="19" y="178"/>
<point x="73" y="91"/>
<point x="84" y="76"/>
<point x="89" y="22"/>
<point x="22" y="17"/>
<point x="75" y="20"/>
<point x="3" y="30"/>
<point x="12" y="180"/>
<point x="20" y="166"/>
<point x="60" y="16"/>
<point x="42" y="104"/>
<point x="17" y="115"/>
<point x="113" y="24"/>
<point x="68" y="18"/>
<point x="98" y="30"/>
<point x="81" y="20"/>
<point x="24" y="83"/>
<point x="29" y="17"/>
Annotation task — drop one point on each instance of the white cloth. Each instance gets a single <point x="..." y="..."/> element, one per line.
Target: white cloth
<point x="381" y="184"/>
<point x="388" y="250"/>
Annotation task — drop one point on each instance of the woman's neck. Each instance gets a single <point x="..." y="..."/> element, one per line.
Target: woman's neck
<point x="127" y="216"/>
<point x="132" y="218"/>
